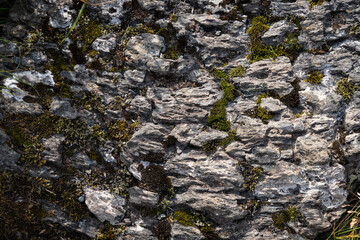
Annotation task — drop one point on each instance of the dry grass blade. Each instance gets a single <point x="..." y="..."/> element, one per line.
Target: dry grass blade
<point x="97" y="2"/>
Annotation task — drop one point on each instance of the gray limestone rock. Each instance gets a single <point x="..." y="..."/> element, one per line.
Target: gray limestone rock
<point x="53" y="149"/>
<point x="105" y="205"/>
<point x="207" y="136"/>
<point x="312" y="150"/>
<point x="181" y="232"/>
<point x="184" y="133"/>
<point x="62" y="108"/>
<point x="158" y="5"/>
<point x="143" y="48"/>
<point x="186" y="105"/>
<point x="267" y="75"/>
<point x="82" y="161"/>
<point x="146" y="144"/>
<point x="272" y="105"/>
<point x="277" y="32"/>
<point x="142" y="197"/>
<point x="105" y="44"/>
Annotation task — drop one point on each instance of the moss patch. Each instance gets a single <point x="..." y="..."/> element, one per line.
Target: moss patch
<point x="109" y="232"/>
<point x="281" y="218"/>
<point x="155" y="179"/>
<point x="217" y="116"/>
<point x="172" y="52"/>
<point x="314" y="3"/>
<point x="251" y="175"/>
<point x="213" y="145"/>
<point x="346" y="89"/>
<point x="87" y="31"/>
<point x="314" y="77"/>
<point x="239" y="71"/>
<point x="259" y="51"/>
<point x="193" y="219"/>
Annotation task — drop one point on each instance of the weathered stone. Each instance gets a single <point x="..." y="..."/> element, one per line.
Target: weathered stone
<point x="181" y="232"/>
<point x="267" y="75"/>
<point x="53" y="149"/>
<point x="105" y="44"/>
<point x="105" y="205"/>
<point x="62" y="108"/>
<point x="186" y="105"/>
<point x="277" y="32"/>
<point x="272" y="105"/>
<point x="207" y="136"/>
<point x="311" y="149"/>
<point x="142" y="197"/>
<point x="143" y="48"/>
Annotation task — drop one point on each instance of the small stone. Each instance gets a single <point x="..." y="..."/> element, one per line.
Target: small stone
<point x="105" y="205"/>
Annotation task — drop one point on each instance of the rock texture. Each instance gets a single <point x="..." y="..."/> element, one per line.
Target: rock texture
<point x="158" y="119"/>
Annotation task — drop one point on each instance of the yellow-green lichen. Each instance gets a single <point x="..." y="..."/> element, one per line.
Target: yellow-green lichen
<point x="281" y="218"/>
<point x="346" y="88"/>
<point x="314" y="77"/>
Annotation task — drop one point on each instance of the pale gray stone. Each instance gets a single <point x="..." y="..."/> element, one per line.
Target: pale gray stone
<point x="105" y="205"/>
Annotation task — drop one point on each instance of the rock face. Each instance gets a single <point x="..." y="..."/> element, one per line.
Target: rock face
<point x="105" y="205"/>
<point x="178" y="119"/>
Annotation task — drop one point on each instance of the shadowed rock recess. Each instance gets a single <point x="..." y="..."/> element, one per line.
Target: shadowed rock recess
<point x="178" y="119"/>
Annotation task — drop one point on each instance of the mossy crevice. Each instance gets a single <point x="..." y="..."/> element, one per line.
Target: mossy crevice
<point x="193" y="219"/>
<point x="251" y="175"/>
<point x="281" y="218"/>
<point x="217" y="116"/>
<point x="290" y="47"/>
<point x="213" y="145"/>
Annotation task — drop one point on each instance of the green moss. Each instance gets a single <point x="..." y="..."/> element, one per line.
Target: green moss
<point x="218" y="74"/>
<point x="189" y="218"/>
<point x="108" y="232"/>
<point x="258" y="27"/>
<point x="213" y="145"/>
<point x="260" y="97"/>
<point x="259" y="51"/>
<point x="346" y="89"/>
<point x="355" y="30"/>
<point x="281" y="218"/>
<point x="87" y="31"/>
<point x="27" y="132"/>
<point x="239" y="71"/>
<point x="217" y="116"/>
<point x="20" y="211"/>
<point x="184" y="217"/>
<point x="251" y="176"/>
<point x="314" y="3"/>
<point x="120" y="130"/>
<point x="172" y="52"/>
<point x="314" y="77"/>
<point x="263" y="114"/>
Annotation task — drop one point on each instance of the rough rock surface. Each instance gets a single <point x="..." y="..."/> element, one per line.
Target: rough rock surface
<point x="178" y="119"/>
